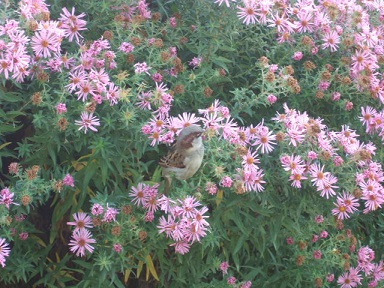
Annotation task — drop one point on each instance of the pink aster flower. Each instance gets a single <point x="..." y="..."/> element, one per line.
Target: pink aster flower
<point x="195" y="62"/>
<point x="110" y="214"/>
<point x="282" y="23"/>
<point x="248" y="13"/>
<point x="328" y="189"/>
<point x="227" y="2"/>
<point x="29" y="9"/>
<point x="361" y="59"/>
<point x="151" y="204"/>
<point x="157" y="77"/>
<point x="61" y="108"/>
<point x="298" y="55"/>
<point x="315" y="238"/>
<point x="5" y="67"/>
<point x="264" y="140"/>
<point x="97" y="209"/>
<point x="345" y="204"/>
<point x="345" y="281"/>
<point x="290" y="241"/>
<point x="85" y="89"/>
<point x="317" y="254"/>
<point x="112" y="94"/>
<point x="271" y="99"/>
<point x="349" y="279"/>
<point x="181" y="247"/>
<point x="293" y="163"/>
<point x="296" y="179"/>
<point x="224" y="267"/>
<point x="226" y="181"/>
<point x="81" y="240"/>
<point x="183" y="120"/>
<point x="149" y="216"/>
<point x="44" y="43"/>
<point x="296" y="134"/>
<point x="368" y="115"/>
<point x="4" y="251"/>
<point x="330" y="277"/>
<point x="232" y="281"/>
<point x="324" y="85"/>
<point x="319" y="219"/>
<point x="88" y="121"/>
<point x="76" y="79"/>
<point x="82" y="221"/>
<point x="318" y="176"/>
<point x="305" y="21"/>
<point x="336" y="96"/>
<point x="373" y="201"/>
<point x="68" y="180"/>
<point x="141" y="68"/>
<point x="126" y="47"/>
<point x="195" y="231"/>
<point x="6" y="197"/>
<point x="173" y="22"/>
<point x="23" y="236"/>
<point x="338" y="161"/>
<point x="117" y="247"/>
<point x="211" y="188"/>
<point x="250" y="161"/>
<point x="72" y="24"/>
<point x="331" y="40"/>
<point x="188" y="206"/>
<point x="365" y="257"/>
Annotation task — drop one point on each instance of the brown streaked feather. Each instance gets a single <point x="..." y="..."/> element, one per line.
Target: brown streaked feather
<point x="173" y="159"/>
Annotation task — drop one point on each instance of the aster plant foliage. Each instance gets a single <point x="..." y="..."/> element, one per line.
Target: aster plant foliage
<point x="289" y="94"/>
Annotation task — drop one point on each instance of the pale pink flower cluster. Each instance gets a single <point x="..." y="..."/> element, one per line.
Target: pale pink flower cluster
<point x="81" y="236"/>
<point x="89" y="78"/>
<point x="184" y="220"/>
<point x="259" y="138"/>
<point x="15" y="60"/>
<point x="370" y="181"/>
<point x="88" y="74"/>
<point x="329" y="27"/>
<point x="301" y="130"/>
<point x="31" y="8"/>
<point x="373" y="121"/>
<point x="373" y="272"/>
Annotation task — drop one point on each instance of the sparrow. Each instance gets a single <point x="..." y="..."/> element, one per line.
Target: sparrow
<point x="184" y="157"/>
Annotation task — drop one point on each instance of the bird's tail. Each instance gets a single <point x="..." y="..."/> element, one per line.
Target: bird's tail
<point x="168" y="180"/>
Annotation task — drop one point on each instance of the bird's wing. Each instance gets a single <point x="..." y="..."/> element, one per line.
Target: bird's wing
<point x="173" y="159"/>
